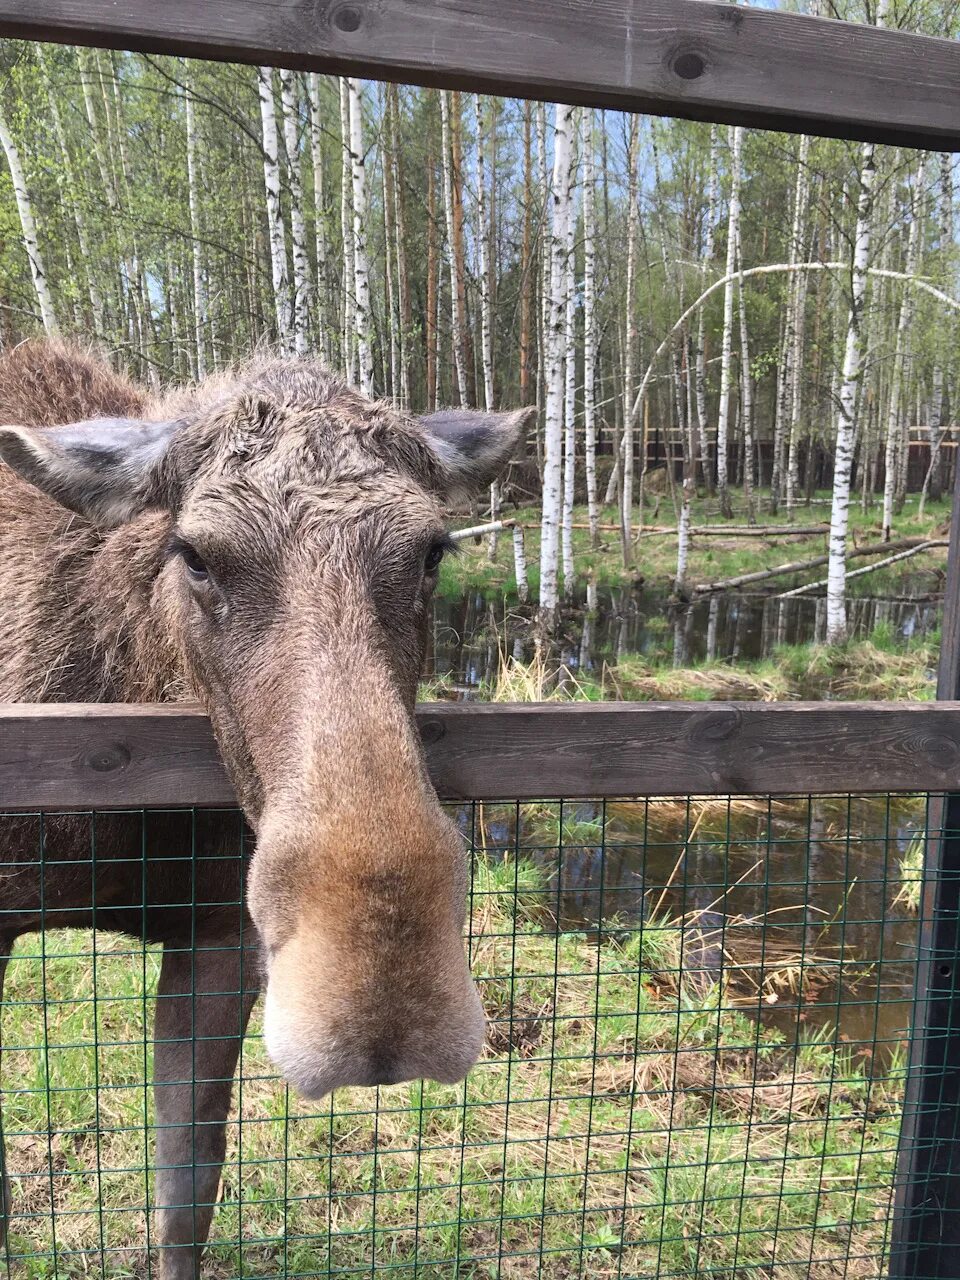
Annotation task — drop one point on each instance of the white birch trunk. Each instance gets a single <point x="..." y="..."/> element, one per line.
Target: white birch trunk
<point x="793" y="342"/>
<point x="348" y="344"/>
<point x="360" y="271"/>
<point x="846" y="419"/>
<point x="323" y="319"/>
<point x="28" y="227"/>
<point x="705" y="261"/>
<point x="590" y="326"/>
<point x="302" y="280"/>
<point x="485" y="283"/>
<point x="570" y="365"/>
<point x="520" y="564"/>
<point x="630" y="331"/>
<point x="278" y="237"/>
<point x="555" y="387"/>
<point x="726" y="352"/>
<point x="746" y="392"/>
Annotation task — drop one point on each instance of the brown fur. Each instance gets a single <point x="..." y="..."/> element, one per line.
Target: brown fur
<point x="313" y="510"/>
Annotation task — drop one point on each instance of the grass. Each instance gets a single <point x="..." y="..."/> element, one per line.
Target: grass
<point x="654" y="1099"/>
<point x="874" y="669"/>
<point x="711" y="558"/>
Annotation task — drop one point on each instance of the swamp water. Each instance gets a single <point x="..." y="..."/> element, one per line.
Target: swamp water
<point x="796" y="908"/>
<point x="470" y="633"/>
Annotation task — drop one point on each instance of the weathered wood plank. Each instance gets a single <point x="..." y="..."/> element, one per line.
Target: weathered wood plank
<point x="113" y="756"/>
<point x="692" y="58"/>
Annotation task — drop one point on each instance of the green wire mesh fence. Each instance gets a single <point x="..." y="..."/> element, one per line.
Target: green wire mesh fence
<point x="699" y="1013"/>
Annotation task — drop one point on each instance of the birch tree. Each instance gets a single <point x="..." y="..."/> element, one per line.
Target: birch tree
<point x="792" y="364"/>
<point x="590" y="324"/>
<point x="847" y="403"/>
<point x="320" y="219"/>
<point x="278" y="238"/>
<point x="362" y="318"/>
<point x="28" y="226"/>
<point x="348" y="339"/>
<point x="710" y="223"/>
<point x="726" y="350"/>
<point x="570" y="363"/>
<point x="555" y="389"/>
<point x="302" y="279"/>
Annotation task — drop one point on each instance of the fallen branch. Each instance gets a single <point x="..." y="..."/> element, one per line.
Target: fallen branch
<point x="475" y="531"/>
<point x="801" y="566"/>
<point x="857" y="573"/>
<point x="712" y="530"/>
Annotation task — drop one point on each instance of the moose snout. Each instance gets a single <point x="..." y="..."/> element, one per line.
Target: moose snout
<point x="325" y="1030"/>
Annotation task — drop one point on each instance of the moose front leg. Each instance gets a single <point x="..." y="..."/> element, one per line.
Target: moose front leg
<point x="204" y="1000"/>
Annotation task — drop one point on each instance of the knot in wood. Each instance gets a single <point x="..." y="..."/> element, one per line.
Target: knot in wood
<point x="347" y="17"/>
<point x="108" y="758"/>
<point x="688" y="65"/>
<point x="431" y="731"/>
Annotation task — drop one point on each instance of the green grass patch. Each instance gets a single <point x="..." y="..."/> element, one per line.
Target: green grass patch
<point x="634" y="1113"/>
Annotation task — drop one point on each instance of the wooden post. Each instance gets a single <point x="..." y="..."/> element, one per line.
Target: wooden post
<point x="925" y="1234"/>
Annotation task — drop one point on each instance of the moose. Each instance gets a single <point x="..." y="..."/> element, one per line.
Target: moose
<point x="266" y="543"/>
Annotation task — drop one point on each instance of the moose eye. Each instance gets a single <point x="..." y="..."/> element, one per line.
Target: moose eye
<point x="432" y="562"/>
<point x="193" y="564"/>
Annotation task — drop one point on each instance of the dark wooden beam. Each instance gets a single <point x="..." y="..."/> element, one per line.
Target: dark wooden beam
<point x="57" y="756"/>
<point x="692" y="58"/>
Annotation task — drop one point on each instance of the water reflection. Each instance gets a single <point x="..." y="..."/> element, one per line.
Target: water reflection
<point x="470" y="633"/>
<point x="793" y="905"/>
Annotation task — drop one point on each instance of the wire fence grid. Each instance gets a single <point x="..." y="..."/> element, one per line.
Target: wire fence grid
<point x="699" y="1014"/>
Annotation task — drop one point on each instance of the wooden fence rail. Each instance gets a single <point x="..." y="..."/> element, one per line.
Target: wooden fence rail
<point x="114" y="756"/>
<point x="693" y="58"/>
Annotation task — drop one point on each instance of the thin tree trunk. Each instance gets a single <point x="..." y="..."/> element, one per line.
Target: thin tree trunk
<point x="28" y="227"/>
<point x="278" y="238"/>
<point x="454" y="240"/>
<point x="399" y="220"/>
<point x="846" y="418"/>
<point x="726" y="353"/>
<point x="590" y="325"/>
<point x="932" y="479"/>
<point x="349" y="332"/>
<point x="555" y="388"/>
<point x="302" y="280"/>
<point x="362" y="318"/>
<point x="66" y="180"/>
<point x="746" y="394"/>
<point x="570" y="365"/>
<point x="526" y="262"/>
<point x="630" y="340"/>
<point x="894" y="407"/>
<point x="793" y="342"/>
<point x="324" y="327"/>
<point x="199" y="293"/>
<point x="713" y="187"/>
<point x="433" y="269"/>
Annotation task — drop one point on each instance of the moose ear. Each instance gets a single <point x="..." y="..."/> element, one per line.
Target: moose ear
<point x="107" y="470"/>
<point x="472" y="446"/>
